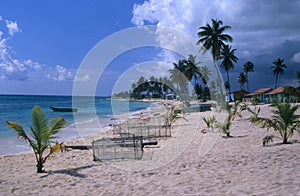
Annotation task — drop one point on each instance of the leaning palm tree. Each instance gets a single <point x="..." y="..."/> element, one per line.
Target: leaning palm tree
<point x="283" y="120"/>
<point x="42" y="132"/>
<point x="227" y="54"/>
<point x="213" y="37"/>
<point x="242" y="79"/>
<point x="278" y="68"/>
<point x="248" y="67"/>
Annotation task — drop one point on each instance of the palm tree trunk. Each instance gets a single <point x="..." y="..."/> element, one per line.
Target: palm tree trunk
<point x="219" y="80"/>
<point x="247" y="81"/>
<point x="228" y="82"/>
<point x="40" y="165"/>
<point x="276" y="80"/>
<point x="284" y="139"/>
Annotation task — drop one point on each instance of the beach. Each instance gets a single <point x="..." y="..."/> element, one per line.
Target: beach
<point x="207" y="164"/>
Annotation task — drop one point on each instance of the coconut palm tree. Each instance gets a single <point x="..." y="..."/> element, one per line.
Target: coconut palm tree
<point x="242" y="79"/>
<point x="227" y="54"/>
<point x="178" y="77"/>
<point x="213" y="37"/>
<point x="248" y="67"/>
<point x="191" y="70"/>
<point x="284" y="120"/>
<point x="42" y="132"/>
<point x="278" y="68"/>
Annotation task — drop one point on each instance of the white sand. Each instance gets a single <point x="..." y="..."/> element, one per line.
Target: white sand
<point x="233" y="166"/>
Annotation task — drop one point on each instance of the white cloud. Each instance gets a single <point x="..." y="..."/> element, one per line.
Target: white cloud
<point x="296" y="58"/>
<point x="60" y="74"/>
<point x="34" y="65"/>
<point x="84" y="78"/>
<point x="15" y="69"/>
<point x="163" y="12"/>
<point x="12" y="27"/>
<point x="11" y="68"/>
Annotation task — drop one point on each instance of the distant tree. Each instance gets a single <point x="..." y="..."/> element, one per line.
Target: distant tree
<point x="42" y="132"/>
<point x="205" y="73"/>
<point x="198" y="90"/>
<point x="242" y="79"/>
<point x="179" y="78"/>
<point x="227" y="54"/>
<point x="191" y="70"/>
<point x="248" y="67"/>
<point x="297" y="74"/>
<point x="278" y="68"/>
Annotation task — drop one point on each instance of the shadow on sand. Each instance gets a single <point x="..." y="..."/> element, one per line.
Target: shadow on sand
<point x="72" y="172"/>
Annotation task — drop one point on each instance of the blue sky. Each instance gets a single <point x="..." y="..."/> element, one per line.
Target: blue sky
<point x="43" y="42"/>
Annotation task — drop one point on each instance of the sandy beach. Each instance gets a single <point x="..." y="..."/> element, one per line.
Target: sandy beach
<point x="188" y="163"/>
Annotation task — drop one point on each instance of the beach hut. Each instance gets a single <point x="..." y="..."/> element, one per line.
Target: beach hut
<point x="239" y="95"/>
<point x="261" y="94"/>
<point x="279" y="94"/>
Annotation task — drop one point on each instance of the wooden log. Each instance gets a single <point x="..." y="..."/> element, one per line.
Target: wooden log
<point x="80" y="147"/>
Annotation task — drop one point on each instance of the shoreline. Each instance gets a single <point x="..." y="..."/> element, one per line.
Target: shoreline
<point x="68" y="133"/>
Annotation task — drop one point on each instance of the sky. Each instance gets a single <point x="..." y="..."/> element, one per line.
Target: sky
<point x="43" y="43"/>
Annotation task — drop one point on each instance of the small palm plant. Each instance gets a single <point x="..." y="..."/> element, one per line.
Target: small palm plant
<point x="283" y="120"/>
<point x="224" y="127"/>
<point x="172" y="116"/>
<point x="209" y="122"/>
<point x="42" y="131"/>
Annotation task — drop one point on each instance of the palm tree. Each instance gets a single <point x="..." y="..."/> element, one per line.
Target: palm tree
<point x="178" y="77"/>
<point x="242" y="79"/>
<point x="278" y="68"/>
<point x="248" y="67"/>
<point x="213" y="38"/>
<point x="192" y="70"/>
<point x="205" y="73"/>
<point x="284" y="120"/>
<point x="42" y="131"/>
<point x="227" y="54"/>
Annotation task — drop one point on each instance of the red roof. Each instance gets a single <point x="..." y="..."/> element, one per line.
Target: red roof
<point x="277" y="90"/>
<point x="260" y="91"/>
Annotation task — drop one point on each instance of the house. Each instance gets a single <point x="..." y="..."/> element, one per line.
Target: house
<point x="237" y="95"/>
<point x="261" y="94"/>
<point x="279" y="94"/>
<point x="240" y="95"/>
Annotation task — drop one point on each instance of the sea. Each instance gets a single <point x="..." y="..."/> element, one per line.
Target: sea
<point x="17" y="108"/>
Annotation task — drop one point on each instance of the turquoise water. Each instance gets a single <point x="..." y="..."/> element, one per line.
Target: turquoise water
<point x="17" y="108"/>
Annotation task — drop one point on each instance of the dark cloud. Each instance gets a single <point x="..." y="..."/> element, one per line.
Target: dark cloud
<point x="262" y="30"/>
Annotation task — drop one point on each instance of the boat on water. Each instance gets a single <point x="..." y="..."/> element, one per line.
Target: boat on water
<point x="60" y="109"/>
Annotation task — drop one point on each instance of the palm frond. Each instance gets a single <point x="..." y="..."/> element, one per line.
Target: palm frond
<point x="19" y="130"/>
<point x="56" y="124"/>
